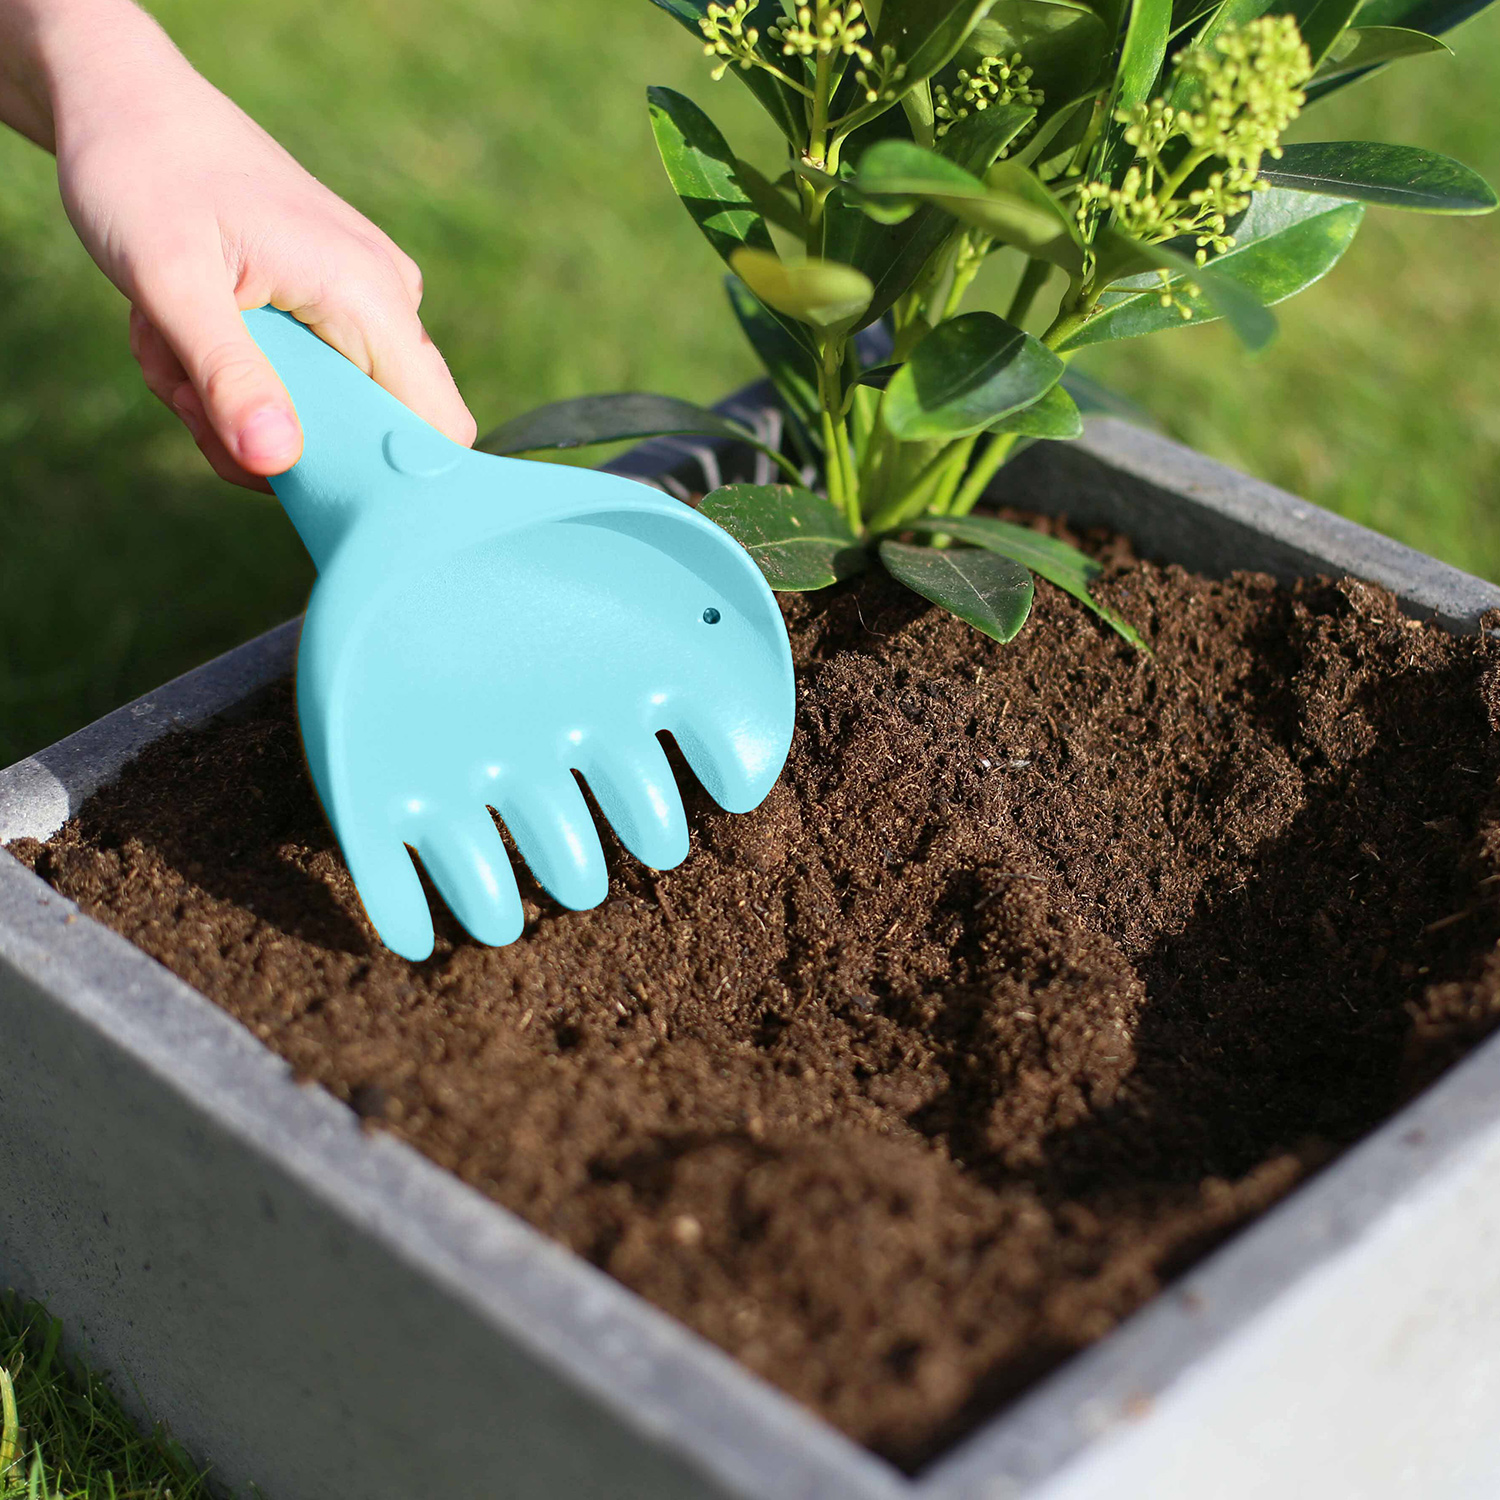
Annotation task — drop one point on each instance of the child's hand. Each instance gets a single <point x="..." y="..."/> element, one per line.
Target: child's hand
<point x="194" y="212"/>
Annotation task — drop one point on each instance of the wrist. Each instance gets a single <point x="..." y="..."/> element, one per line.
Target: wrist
<point x="64" y="62"/>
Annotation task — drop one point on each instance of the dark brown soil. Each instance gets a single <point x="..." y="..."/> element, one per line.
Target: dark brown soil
<point x="1044" y="968"/>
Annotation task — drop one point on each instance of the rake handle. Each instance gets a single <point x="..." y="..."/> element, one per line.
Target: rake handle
<point x="361" y="446"/>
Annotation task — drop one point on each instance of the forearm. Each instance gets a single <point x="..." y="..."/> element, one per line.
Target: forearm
<point x="65" y="62"/>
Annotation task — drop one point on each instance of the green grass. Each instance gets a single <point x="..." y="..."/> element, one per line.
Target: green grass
<point x="505" y="145"/>
<point x="64" y="1436"/>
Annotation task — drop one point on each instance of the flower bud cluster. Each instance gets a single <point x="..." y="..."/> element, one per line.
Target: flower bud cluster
<point x="879" y="79"/>
<point x="997" y="80"/>
<point x="825" y="30"/>
<point x="1243" y="89"/>
<point x="728" y="37"/>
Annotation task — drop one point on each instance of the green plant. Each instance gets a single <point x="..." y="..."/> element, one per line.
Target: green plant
<point x="1125" y="154"/>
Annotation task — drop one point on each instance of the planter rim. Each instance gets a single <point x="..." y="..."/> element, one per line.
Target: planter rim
<point x="671" y="1387"/>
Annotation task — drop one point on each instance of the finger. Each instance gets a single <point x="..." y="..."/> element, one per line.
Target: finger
<point x="244" y="401"/>
<point x="381" y="332"/>
<point x="186" y="403"/>
<point x="160" y="367"/>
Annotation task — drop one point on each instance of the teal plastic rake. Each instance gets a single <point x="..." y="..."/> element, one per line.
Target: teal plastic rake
<point x="484" y="628"/>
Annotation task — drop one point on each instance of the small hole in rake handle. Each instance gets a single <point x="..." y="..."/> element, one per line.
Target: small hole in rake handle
<point x="711" y="616"/>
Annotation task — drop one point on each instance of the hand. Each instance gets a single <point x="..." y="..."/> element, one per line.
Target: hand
<point x="195" y="213"/>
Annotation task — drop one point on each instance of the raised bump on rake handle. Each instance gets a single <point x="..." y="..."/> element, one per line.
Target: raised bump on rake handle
<point x="554" y="830"/>
<point x="464" y="855"/>
<point x="633" y="784"/>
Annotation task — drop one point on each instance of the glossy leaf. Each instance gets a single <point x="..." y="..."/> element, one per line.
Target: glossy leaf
<point x="587" y="420"/>
<point x="1061" y="565"/>
<point x="1285" y="242"/>
<point x="1236" y="302"/>
<point x="1322" y="22"/>
<point x="975" y="141"/>
<point x="1361" y="48"/>
<point x="1057" y="139"/>
<point x="1228" y="13"/>
<point x="1013" y="206"/>
<point x="788" y="362"/>
<point x="799" y="540"/>
<point x="965" y="375"/>
<point x="1373" y="172"/>
<point x="784" y="105"/>
<point x="823" y="293"/>
<point x="1431" y="16"/>
<point x="1054" y="415"/>
<point x="768" y="199"/>
<point x="702" y="171"/>
<point x="1060" y="244"/>
<point x="985" y="590"/>
<point x="926" y="33"/>
<point x="1143" y="52"/>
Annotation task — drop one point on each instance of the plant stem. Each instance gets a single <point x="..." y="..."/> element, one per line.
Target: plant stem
<point x="958" y="461"/>
<point x="843" y="481"/>
<point x="980" y="475"/>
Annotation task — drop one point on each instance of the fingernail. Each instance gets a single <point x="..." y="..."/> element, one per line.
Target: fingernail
<point x="268" y="437"/>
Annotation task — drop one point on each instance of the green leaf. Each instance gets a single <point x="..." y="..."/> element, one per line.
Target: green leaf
<point x="1139" y="67"/>
<point x="1363" y="47"/>
<point x="1061" y="244"/>
<point x="799" y="540"/>
<point x="823" y="293"/>
<point x="1392" y="176"/>
<point x="787" y="361"/>
<point x="784" y="105"/>
<point x="1285" y="242"/>
<point x="1056" y="140"/>
<point x="965" y="375"/>
<point x="1061" y="565"/>
<point x="1237" y="303"/>
<point x="926" y="33"/>
<point x="767" y="198"/>
<point x="1054" y="415"/>
<point x="629" y="416"/>
<point x="976" y="140"/>
<point x="1322" y="23"/>
<point x="1013" y="205"/>
<point x="587" y="420"/>
<point x="1143" y="52"/>
<point x="985" y="590"/>
<point x="702" y="171"/>
<point x="1432" y="16"/>
<point x="1429" y="17"/>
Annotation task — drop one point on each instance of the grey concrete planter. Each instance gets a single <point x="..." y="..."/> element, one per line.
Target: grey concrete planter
<point x="327" y="1314"/>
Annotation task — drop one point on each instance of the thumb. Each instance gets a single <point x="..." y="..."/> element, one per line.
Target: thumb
<point x="243" y="397"/>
